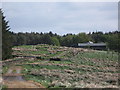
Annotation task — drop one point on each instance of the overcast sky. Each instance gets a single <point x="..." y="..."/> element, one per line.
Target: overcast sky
<point x="61" y="17"/>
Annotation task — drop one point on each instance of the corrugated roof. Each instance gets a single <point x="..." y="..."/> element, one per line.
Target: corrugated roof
<point x="91" y="44"/>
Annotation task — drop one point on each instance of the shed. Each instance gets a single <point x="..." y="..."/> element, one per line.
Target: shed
<point x="97" y="46"/>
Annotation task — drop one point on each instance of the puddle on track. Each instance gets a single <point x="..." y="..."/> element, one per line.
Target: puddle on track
<point x="14" y="78"/>
<point x="14" y="71"/>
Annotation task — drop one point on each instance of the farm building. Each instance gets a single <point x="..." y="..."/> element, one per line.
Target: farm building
<point x="97" y="46"/>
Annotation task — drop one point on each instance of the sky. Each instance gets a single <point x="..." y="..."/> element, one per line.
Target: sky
<point x="61" y="17"/>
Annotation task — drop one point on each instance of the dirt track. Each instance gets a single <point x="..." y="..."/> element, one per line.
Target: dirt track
<point x="14" y="79"/>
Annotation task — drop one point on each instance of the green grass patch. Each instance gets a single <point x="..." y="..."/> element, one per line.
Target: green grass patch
<point x="4" y="87"/>
<point x="40" y="79"/>
<point x="100" y="55"/>
<point x="5" y="69"/>
<point x="25" y="46"/>
<point x="50" y="67"/>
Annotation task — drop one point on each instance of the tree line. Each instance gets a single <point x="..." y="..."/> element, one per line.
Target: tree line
<point x="111" y="39"/>
<point x="10" y="39"/>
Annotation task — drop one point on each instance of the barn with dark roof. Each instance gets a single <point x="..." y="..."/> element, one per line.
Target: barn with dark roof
<point x="97" y="46"/>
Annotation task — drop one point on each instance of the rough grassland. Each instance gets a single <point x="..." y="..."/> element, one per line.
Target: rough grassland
<point x="78" y="67"/>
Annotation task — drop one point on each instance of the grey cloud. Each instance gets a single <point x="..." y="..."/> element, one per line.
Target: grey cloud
<point x="61" y="17"/>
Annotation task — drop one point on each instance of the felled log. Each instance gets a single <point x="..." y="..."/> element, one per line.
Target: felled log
<point x="55" y="59"/>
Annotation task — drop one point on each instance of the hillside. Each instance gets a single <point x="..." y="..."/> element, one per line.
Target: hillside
<point x="55" y="66"/>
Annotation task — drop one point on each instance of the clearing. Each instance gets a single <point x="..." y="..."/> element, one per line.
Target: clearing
<point x="76" y="67"/>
